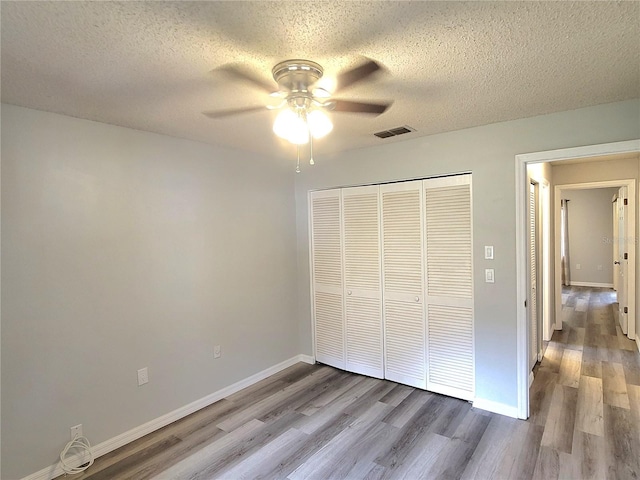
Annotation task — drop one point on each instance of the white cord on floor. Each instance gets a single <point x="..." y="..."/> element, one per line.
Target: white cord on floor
<point x="83" y="446"/>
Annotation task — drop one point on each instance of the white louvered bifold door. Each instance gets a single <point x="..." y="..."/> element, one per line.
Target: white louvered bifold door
<point x="449" y="286"/>
<point x="402" y="270"/>
<point x="533" y="270"/>
<point x="326" y="254"/>
<point x="362" y="280"/>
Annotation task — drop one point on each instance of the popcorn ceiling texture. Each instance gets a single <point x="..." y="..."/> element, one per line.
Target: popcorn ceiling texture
<point x="450" y="65"/>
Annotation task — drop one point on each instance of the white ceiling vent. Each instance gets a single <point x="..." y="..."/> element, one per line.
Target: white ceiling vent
<point x="394" y="132"/>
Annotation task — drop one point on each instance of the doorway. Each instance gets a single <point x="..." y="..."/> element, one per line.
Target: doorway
<point x="523" y="259"/>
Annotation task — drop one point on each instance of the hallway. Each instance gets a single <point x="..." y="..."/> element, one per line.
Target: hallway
<point x="585" y="399"/>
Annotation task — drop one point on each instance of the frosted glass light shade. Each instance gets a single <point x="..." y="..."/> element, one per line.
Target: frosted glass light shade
<point x="291" y="127"/>
<point x="319" y="124"/>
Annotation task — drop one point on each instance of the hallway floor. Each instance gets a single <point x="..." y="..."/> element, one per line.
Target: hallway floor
<point x="585" y="398"/>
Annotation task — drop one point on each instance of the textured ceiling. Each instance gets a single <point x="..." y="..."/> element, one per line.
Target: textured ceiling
<point x="449" y="65"/>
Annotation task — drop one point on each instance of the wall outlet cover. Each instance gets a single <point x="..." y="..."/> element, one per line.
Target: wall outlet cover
<point x="143" y="376"/>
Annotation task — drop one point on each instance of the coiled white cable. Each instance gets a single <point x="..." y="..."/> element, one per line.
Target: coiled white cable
<point x="82" y="445"/>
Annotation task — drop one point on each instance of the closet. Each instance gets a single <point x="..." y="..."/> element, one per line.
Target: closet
<point x="392" y="289"/>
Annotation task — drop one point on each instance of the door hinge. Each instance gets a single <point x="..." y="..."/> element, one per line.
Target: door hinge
<point x="626" y="202"/>
<point x="626" y="256"/>
<point x="626" y="310"/>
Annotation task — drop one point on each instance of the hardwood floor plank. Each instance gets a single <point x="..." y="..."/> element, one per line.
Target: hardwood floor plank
<point x="339" y="388"/>
<point x="266" y="404"/>
<point x="614" y="385"/>
<point x="494" y="450"/>
<point x="622" y="445"/>
<point x="397" y="395"/>
<point x="547" y="465"/>
<point x="589" y="414"/>
<point x="570" y="367"/>
<point x="192" y="466"/>
<point x="558" y="431"/>
<point x="420" y="423"/>
<point x="265" y="458"/>
<point x="591" y="362"/>
<point x="589" y="452"/>
<point x="631" y="366"/>
<point x="326" y="459"/>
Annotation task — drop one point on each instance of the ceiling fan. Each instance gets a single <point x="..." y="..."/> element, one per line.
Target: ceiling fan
<point x="302" y="101"/>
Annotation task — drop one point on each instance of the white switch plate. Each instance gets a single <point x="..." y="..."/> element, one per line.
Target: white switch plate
<point x="143" y="376"/>
<point x="488" y="252"/>
<point x="217" y="351"/>
<point x="489" y="275"/>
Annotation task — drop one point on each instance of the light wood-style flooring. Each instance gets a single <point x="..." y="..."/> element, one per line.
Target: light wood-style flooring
<point x="316" y="422"/>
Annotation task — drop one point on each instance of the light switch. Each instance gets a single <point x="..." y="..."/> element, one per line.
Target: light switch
<point x="489" y="276"/>
<point x="488" y="252"/>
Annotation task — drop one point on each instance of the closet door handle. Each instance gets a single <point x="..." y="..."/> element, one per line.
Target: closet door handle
<point x="348" y="292"/>
<point x="417" y="299"/>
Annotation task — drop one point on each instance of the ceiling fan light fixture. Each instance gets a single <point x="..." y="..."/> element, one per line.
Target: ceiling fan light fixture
<point x="319" y="124"/>
<point x="292" y="127"/>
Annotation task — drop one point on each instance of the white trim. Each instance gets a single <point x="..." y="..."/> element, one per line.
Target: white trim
<point x="521" y="248"/>
<point x="118" y="441"/>
<point x="306" y="359"/>
<point x="638" y="342"/>
<point x="531" y="378"/>
<point x="496" y="407"/>
<point x="591" y="284"/>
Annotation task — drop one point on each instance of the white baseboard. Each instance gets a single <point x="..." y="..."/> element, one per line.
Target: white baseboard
<point x="531" y="378"/>
<point x="496" y="407"/>
<point x="307" y="359"/>
<point x="638" y="342"/>
<point x="112" y="444"/>
<point x="592" y="284"/>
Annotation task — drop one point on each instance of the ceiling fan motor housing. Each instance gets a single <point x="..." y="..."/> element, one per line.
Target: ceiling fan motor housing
<point x="297" y="76"/>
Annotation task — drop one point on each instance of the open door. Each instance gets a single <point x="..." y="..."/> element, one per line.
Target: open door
<point x="534" y="310"/>
<point x="622" y="262"/>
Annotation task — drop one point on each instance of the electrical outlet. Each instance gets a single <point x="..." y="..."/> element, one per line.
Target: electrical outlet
<point x="143" y="376"/>
<point x="76" y="431"/>
<point x="578" y="266"/>
<point x="217" y="351"/>
<point x="599" y="267"/>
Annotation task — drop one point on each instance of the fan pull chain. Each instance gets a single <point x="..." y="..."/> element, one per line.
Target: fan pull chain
<point x="311" y="162"/>
<point x="298" y="164"/>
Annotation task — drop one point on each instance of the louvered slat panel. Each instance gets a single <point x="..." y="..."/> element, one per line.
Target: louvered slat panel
<point x="450" y="343"/>
<point x="402" y="242"/>
<point x="533" y="311"/>
<point x="449" y="273"/>
<point x="405" y="343"/>
<point x="326" y="242"/>
<point x="448" y="241"/>
<point x="364" y="336"/>
<point x="361" y="240"/>
<point x="402" y="267"/>
<point x="329" y="329"/>
<point x="363" y="308"/>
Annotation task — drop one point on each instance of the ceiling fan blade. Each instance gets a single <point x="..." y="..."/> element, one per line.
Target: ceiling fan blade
<point x="356" y="74"/>
<point x="360" y="107"/>
<point x="233" y="111"/>
<point x="241" y="73"/>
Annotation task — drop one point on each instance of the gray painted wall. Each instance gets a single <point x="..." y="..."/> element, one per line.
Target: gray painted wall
<point x="123" y="249"/>
<point x="590" y="234"/>
<point x="489" y="153"/>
